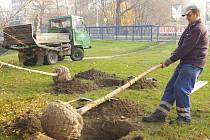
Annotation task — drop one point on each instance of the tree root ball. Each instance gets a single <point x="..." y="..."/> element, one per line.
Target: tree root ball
<point x="61" y="121"/>
<point x="40" y="136"/>
<point x="63" y="75"/>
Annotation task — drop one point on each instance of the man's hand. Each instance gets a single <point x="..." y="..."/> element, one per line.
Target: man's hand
<point x="166" y="63"/>
<point x="173" y="53"/>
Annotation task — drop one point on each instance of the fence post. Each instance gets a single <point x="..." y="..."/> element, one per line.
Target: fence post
<point x="158" y="32"/>
<point x="141" y="33"/>
<point x="126" y="32"/>
<point x="133" y="32"/>
<point x="102" y="33"/>
<point x="151" y="32"/>
<point x="116" y="31"/>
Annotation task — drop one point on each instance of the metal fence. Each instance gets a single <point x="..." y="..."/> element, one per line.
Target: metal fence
<point x="137" y="33"/>
<point x="1" y="37"/>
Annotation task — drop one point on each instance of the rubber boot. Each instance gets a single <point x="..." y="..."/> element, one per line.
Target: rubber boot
<point x="157" y="116"/>
<point x="180" y="121"/>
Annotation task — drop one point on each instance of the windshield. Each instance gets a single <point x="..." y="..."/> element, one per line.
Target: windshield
<point x="60" y="23"/>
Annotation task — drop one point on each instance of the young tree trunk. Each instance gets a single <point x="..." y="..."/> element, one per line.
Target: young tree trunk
<point x="57" y="6"/>
<point x="118" y="12"/>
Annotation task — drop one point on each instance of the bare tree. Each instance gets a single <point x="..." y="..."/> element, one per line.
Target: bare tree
<point x="41" y="10"/>
<point x="5" y="16"/>
<point x="107" y="12"/>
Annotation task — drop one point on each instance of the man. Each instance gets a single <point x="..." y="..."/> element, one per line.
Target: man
<point x="192" y="52"/>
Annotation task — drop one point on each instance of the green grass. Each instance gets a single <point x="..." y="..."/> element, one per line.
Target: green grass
<point x="20" y="91"/>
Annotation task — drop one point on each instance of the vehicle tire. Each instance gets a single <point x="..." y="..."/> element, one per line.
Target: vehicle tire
<point x="77" y="54"/>
<point x="51" y="58"/>
<point x="61" y="58"/>
<point x="30" y="62"/>
<point x="27" y="58"/>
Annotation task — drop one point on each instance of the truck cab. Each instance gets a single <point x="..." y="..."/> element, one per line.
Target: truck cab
<point x="74" y="25"/>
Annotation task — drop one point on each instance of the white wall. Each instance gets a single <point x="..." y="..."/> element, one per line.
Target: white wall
<point x="200" y="3"/>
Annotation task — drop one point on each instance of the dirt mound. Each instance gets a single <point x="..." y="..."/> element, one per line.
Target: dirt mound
<point x="115" y="109"/>
<point x="94" y="79"/>
<point x="109" y="121"/>
<point x="109" y="82"/>
<point x="94" y="74"/>
<point x="25" y="124"/>
<point x="145" y="83"/>
<point x="74" y="86"/>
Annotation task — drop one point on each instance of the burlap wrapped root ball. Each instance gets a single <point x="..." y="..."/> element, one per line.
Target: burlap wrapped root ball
<point x="61" y="121"/>
<point x="63" y="74"/>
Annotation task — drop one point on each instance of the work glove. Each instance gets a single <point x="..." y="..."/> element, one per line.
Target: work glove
<point x="173" y="53"/>
<point x="166" y="63"/>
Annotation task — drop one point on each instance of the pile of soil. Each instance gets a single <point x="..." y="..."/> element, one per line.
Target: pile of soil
<point x="94" y="74"/>
<point x="115" y="109"/>
<point x="109" y="82"/>
<point x="73" y="86"/>
<point x="109" y="121"/>
<point x="95" y="79"/>
<point x="145" y="83"/>
<point x="28" y="123"/>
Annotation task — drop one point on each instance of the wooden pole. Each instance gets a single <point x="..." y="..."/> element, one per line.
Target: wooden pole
<point x="29" y="70"/>
<point x="115" y="92"/>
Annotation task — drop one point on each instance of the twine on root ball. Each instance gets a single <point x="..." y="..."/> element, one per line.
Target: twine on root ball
<point x="63" y="74"/>
<point x="61" y="121"/>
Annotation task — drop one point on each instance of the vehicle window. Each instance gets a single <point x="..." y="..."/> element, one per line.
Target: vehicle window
<point x="79" y="25"/>
<point x="60" y="24"/>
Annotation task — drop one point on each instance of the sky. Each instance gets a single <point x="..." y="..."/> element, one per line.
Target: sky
<point x="5" y="4"/>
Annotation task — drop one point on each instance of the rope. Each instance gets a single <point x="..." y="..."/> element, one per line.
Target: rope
<point x="29" y="70"/>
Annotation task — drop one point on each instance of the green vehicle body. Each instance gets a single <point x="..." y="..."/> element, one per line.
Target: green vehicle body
<point x="75" y="26"/>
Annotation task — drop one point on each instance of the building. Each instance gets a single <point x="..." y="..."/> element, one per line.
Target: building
<point x="19" y="18"/>
<point x="207" y="13"/>
<point x="204" y="5"/>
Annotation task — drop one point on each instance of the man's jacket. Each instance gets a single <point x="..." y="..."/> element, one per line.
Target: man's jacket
<point x="193" y="45"/>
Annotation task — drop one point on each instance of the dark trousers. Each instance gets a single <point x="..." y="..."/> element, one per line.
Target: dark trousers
<point x="178" y="90"/>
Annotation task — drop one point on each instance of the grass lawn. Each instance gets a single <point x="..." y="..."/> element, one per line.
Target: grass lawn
<point x="21" y="91"/>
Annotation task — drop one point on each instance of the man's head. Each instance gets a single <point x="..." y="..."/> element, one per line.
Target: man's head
<point x="192" y="13"/>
